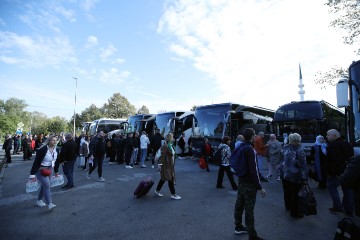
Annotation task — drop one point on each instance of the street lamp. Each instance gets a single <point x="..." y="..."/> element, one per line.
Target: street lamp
<point x="75" y="103"/>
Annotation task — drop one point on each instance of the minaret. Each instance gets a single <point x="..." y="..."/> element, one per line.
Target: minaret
<point x="301" y="86"/>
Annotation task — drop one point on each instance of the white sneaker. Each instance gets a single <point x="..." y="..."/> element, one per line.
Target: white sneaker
<point x="111" y="163"/>
<point x="152" y="166"/>
<point x="101" y="179"/>
<point x="175" y="197"/>
<point x="51" y="206"/>
<point x="278" y="179"/>
<point x="128" y="166"/>
<point x="143" y="166"/>
<point x="40" y="203"/>
<point x="158" y="194"/>
<point x="88" y="176"/>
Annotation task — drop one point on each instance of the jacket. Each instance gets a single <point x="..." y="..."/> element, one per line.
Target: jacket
<point x="259" y="146"/>
<point x="40" y="155"/>
<point x="68" y="151"/>
<point x="338" y="153"/>
<point x="294" y="164"/>
<point x="167" y="159"/>
<point x="273" y="151"/>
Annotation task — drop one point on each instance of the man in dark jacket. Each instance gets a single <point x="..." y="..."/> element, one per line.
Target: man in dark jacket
<point x="7" y="147"/>
<point x="351" y="179"/>
<point x="249" y="183"/>
<point x="16" y="144"/>
<point x="338" y="154"/>
<point x="129" y="148"/>
<point x="156" y="144"/>
<point x="68" y="155"/>
<point x="97" y="150"/>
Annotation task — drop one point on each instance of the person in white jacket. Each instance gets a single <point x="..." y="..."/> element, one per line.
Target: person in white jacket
<point x="144" y="143"/>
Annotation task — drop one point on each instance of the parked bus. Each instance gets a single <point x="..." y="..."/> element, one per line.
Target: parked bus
<point x="348" y="96"/>
<point x="227" y="119"/>
<point x="309" y="119"/>
<point x="132" y="121"/>
<point x="85" y="127"/>
<point x="107" y="125"/>
<point x="182" y="124"/>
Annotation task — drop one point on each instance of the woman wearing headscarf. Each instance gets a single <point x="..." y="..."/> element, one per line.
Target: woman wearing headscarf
<point x="41" y="170"/>
<point x="167" y="167"/>
<point x="318" y="153"/>
<point x="295" y="172"/>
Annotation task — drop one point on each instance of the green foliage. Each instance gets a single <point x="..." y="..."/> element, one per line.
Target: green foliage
<point x="118" y="107"/>
<point x="143" y="110"/>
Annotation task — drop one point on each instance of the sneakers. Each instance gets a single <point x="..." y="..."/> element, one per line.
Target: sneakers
<point x="88" y="176"/>
<point x="268" y="176"/>
<point x="240" y="229"/>
<point x="128" y="166"/>
<point x="40" y="203"/>
<point x="158" y="194"/>
<point x="143" y="166"/>
<point x="278" y="179"/>
<point x="101" y="179"/>
<point x="175" y="197"/>
<point x="152" y="166"/>
<point x="51" y="206"/>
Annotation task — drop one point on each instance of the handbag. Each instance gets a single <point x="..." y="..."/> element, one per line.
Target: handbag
<point x="45" y="172"/>
<point x="202" y="163"/>
<point x="306" y="201"/>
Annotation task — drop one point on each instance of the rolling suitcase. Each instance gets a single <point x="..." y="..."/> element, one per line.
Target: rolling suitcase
<point x="144" y="187"/>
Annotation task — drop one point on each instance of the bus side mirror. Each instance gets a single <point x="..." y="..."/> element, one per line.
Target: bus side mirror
<point x="342" y="93"/>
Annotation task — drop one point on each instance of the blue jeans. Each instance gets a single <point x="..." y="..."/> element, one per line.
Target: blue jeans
<point x="68" y="169"/>
<point x="260" y="160"/>
<point x="348" y="196"/>
<point x="45" y="188"/>
<point x="143" y="156"/>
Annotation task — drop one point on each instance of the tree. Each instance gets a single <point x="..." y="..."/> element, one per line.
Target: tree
<point x="12" y="112"/>
<point x="57" y="125"/>
<point x="347" y="19"/>
<point x="39" y="123"/>
<point x="143" y="110"/>
<point x="90" y="114"/>
<point x="118" y="107"/>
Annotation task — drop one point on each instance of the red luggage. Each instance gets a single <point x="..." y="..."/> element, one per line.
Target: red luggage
<point x="202" y="163"/>
<point x="144" y="187"/>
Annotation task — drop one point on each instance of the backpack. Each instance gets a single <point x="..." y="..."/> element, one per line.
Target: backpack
<point x="237" y="160"/>
<point x="218" y="156"/>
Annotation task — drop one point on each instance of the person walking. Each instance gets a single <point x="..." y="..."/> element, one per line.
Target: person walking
<point x="224" y="164"/>
<point x="42" y="166"/>
<point x="97" y="149"/>
<point x="156" y="144"/>
<point x="67" y="158"/>
<point x="181" y="143"/>
<point x="167" y="167"/>
<point x="84" y="150"/>
<point x="260" y="149"/>
<point x="16" y="144"/>
<point x="206" y="152"/>
<point x="7" y="146"/>
<point x="245" y="168"/>
<point x="112" y="148"/>
<point x="120" y="149"/>
<point x="295" y="173"/>
<point x="273" y="152"/>
<point x="144" y="143"/>
<point x="26" y="144"/>
<point x="135" y="152"/>
<point x="318" y="153"/>
<point x="338" y="154"/>
<point x="129" y="148"/>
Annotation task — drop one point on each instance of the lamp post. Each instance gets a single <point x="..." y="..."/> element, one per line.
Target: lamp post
<point x="75" y="103"/>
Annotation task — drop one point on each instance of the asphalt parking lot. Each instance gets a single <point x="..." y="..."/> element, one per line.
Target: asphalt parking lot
<point x="108" y="210"/>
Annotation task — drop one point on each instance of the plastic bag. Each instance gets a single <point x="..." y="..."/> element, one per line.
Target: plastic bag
<point x="56" y="180"/>
<point x="32" y="186"/>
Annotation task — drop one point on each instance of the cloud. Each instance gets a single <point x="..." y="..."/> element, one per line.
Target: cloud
<point x="92" y="41"/>
<point x="113" y="76"/>
<point x="250" y="48"/>
<point x="35" y="52"/>
<point x="106" y="53"/>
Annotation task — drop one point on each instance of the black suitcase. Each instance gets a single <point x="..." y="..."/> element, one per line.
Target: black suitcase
<point x="144" y="187"/>
<point x="347" y="229"/>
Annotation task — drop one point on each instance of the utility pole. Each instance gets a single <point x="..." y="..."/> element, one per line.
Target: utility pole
<point x="75" y="103"/>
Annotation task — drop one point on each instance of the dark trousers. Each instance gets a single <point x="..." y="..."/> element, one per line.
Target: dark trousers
<point x="16" y="149"/>
<point x="112" y="155"/>
<point x="220" y="178"/>
<point x="97" y="162"/>
<point x="27" y="153"/>
<point x="170" y="183"/>
<point x="154" y="153"/>
<point x="68" y="169"/>
<point x="246" y="199"/>
<point x="207" y="163"/>
<point x="8" y="155"/>
<point x="291" y="191"/>
<point x="120" y="156"/>
<point x="128" y="155"/>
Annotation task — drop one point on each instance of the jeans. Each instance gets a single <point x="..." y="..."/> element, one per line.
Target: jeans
<point x="97" y="162"/>
<point x="348" y="196"/>
<point x="68" y="169"/>
<point x="260" y="160"/>
<point x="143" y="156"/>
<point x="45" y="188"/>
<point x="134" y="155"/>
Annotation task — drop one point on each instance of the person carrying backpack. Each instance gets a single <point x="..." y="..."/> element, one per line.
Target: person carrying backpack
<point x="224" y="164"/>
<point x="243" y="161"/>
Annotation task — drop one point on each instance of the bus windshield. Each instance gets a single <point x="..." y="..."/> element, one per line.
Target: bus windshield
<point x="162" y="121"/>
<point x="132" y="121"/>
<point x="354" y="72"/>
<point x="299" y="111"/>
<point x="211" y="120"/>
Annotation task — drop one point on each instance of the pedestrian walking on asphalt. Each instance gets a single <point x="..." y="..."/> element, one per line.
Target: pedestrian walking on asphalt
<point x="156" y="142"/>
<point x="338" y="154"/>
<point x="225" y="165"/>
<point x="167" y="167"/>
<point x="245" y="168"/>
<point x="7" y="146"/>
<point x="97" y="149"/>
<point x="41" y="170"/>
<point x="16" y="143"/>
<point x="67" y="158"/>
<point x="260" y="149"/>
<point x="206" y="152"/>
<point x="26" y="145"/>
<point x="144" y="143"/>
<point x="295" y="173"/>
<point x="273" y="156"/>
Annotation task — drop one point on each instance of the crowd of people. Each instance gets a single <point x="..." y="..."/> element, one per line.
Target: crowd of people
<point x="330" y="163"/>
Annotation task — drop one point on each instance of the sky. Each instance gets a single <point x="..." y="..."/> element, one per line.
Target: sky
<point x="166" y="55"/>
